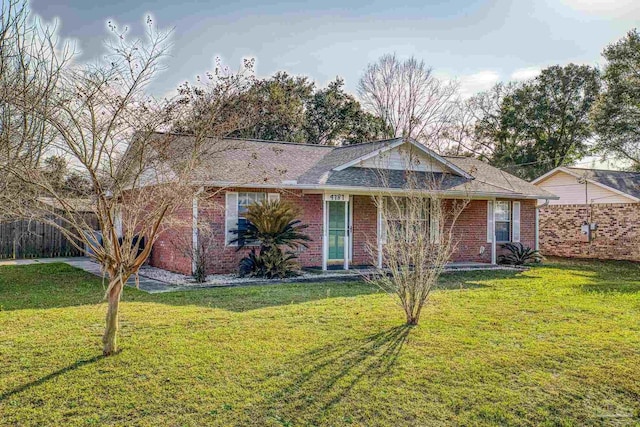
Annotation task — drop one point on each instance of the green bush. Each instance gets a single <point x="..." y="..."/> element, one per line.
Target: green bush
<point x="519" y="254"/>
<point x="272" y="225"/>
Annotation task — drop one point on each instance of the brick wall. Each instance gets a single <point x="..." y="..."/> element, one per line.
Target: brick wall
<point x="171" y="249"/>
<point x="470" y="232"/>
<point x="528" y="223"/>
<point x="225" y="259"/>
<point x="365" y="230"/>
<point x="617" y="237"/>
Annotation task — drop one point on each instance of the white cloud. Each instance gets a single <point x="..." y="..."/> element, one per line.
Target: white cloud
<point x="525" y="73"/>
<point x="477" y="82"/>
<point x="606" y="8"/>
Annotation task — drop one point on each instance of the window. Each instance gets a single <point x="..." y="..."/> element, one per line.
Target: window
<point x="402" y="215"/>
<point x="244" y="201"/>
<point x="502" y="215"/>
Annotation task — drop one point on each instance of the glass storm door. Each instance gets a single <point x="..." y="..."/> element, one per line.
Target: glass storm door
<point x="337" y="230"/>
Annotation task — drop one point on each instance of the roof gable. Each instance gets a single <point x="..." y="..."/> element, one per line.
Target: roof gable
<point x="404" y="154"/>
<point x="603" y="186"/>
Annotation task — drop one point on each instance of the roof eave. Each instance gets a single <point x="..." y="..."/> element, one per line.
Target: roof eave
<point x="375" y="190"/>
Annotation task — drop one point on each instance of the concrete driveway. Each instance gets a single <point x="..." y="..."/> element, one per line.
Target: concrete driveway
<point x="83" y="263"/>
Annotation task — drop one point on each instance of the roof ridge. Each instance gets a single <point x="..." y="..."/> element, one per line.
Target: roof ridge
<point x="369" y="142"/>
<point x="603" y="170"/>
<point x="269" y="141"/>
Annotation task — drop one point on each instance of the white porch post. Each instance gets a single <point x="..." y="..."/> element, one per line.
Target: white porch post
<point x="380" y="225"/>
<point x="346" y="234"/>
<point x="325" y="235"/>
<point x="194" y="230"/>
<point x="493" y="234"/>
<point x="194" y="235"/>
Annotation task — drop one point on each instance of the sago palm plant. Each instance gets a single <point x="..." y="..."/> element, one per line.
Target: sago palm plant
<point x="272" y="225"/>
<point x="519" y="254"/>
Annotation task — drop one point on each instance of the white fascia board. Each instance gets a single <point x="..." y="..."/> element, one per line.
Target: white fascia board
<point x="373" y="191"/>
<point x="548" y="174"/>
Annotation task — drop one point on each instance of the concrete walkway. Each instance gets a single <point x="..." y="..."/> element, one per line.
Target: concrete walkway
<point x="146" y="284"/>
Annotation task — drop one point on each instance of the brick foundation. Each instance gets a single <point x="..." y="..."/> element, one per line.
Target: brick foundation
<point x="617" y="236"/>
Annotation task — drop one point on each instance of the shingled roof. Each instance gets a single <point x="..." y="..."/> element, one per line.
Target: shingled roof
<point x="623" y="181"/>
<point x="259" y="163"/>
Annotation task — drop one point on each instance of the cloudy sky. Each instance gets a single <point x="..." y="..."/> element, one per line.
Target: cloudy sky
<point x="478" y="42"/>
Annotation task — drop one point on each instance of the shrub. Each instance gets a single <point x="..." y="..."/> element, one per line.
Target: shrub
<point x="519" y="254"/>
<point x="270" y="264"/>
<point x="272" y="225"/>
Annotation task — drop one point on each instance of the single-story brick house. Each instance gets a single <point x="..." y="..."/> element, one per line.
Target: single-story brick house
<point x="334" y="188"/>
<point x="597" y="214"/>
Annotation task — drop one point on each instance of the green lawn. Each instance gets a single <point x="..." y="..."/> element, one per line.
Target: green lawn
<point x="556" y="345"/>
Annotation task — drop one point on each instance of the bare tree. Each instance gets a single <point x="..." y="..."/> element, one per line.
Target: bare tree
<point x="31" y="63"/>
<point x="408" y="97"/>
<point x="107" y="126"/>
<point x="418" y="237"/>
<point x="458" y="134"/>
<point x="472" y="130"/>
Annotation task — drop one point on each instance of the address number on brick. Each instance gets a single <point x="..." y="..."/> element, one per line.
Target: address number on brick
<point x="336" y="197"/>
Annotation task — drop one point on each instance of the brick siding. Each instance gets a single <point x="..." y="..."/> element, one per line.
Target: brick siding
<point x="617" y="236"/>
<point x="470" y="232"/>
<point x="365" y="230"/>
<point x="171" y="248"/>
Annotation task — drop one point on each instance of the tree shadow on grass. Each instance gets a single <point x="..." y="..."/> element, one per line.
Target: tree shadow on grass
<point x="60" y="285"/>
<point x="246" y="298"/>
<point x="80" y="363"/>
<point x="44" y="286"/>
<point x="330" y="373"/>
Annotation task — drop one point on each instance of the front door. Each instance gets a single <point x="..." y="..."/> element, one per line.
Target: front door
<point x="337" y="230"/>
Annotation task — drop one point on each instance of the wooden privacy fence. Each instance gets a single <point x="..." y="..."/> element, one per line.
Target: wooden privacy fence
<point x="35" y="239"/>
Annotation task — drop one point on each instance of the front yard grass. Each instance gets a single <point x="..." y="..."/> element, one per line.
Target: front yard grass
<point x="556" y="345"/>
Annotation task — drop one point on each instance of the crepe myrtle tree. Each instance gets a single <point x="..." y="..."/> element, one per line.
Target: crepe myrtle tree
<point x="106" y="125"/>
<point x="417" y="239"/>
<point x="31" y="63"/>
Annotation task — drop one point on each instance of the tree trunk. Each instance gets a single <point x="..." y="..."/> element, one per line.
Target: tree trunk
<point x="109" y="339"/>
<point x="413" y="316"/>
<point x="412" y="320"/>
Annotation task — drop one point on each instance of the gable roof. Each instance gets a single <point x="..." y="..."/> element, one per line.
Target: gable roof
<point x="278" y="164"/>
<point x="396" y="142"/>
<point x="620" y="182"/>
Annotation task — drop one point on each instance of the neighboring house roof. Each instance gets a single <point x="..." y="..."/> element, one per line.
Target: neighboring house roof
<point x="620" y="182"/>
<point x="259" y="163"/>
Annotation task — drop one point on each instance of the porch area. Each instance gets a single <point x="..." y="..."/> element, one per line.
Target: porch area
<point x="351" y="230"/>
